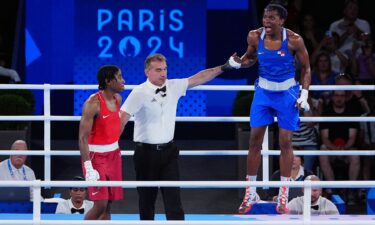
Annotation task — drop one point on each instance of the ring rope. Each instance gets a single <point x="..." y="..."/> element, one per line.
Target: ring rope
<point x="201" y="87"/>
<point x="195" y="119"/>
<point x="200" y="152"/>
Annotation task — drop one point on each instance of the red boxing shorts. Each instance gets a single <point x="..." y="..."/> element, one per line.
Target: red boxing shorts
<point x="109" y="167"/>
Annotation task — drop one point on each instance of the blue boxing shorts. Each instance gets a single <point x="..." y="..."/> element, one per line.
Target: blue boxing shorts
<point x="267" y="104"/>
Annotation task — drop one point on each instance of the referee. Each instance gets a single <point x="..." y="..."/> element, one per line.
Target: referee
<point x="153" y="105"/>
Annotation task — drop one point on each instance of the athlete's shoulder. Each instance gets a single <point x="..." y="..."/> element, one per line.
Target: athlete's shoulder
<point x="93" y="99"/>
<point x="256" y="32"/>
<point x="293" y="36"/>
<point x="253" y="36"/>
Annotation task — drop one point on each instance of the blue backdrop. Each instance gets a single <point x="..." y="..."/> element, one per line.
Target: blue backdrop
<point x="67" y="41"/>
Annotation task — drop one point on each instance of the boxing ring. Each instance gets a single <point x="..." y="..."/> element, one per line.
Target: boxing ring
<point x="306" y="218"/>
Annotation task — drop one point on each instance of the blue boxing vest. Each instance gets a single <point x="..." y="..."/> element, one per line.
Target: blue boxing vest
<point x="275" y="65"/>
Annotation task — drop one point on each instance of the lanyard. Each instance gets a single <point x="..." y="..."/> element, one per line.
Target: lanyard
<point x="12" y="174"/>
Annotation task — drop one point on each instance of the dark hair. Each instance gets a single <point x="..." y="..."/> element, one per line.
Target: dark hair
<point x="302" y="159"/>
<point x="106" y="73"/>
<point x="297" y="147"/>
<point x="283" y="13"/>
<point x="322" y="54"/>
<point x="79" y="178"/>
<point x="348" y="2"/>
<point x="154" y="57"/>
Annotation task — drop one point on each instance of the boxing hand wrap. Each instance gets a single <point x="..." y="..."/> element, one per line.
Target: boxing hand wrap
<point x="230" y="65"/>
<point x="91" y="173"/>
<point x="302" y="101"/>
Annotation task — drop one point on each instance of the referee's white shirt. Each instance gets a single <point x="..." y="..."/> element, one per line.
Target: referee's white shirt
<point x="154" y="115"/>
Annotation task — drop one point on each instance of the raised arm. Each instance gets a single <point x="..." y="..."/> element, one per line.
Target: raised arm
<point x="249" y="58"/>
<point x="204" y="76"/>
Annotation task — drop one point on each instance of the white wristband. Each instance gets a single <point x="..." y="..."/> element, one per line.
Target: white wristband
<point x="233" y="63"/>
<point x="88" y="165"/>
<point x="304" y="94"/>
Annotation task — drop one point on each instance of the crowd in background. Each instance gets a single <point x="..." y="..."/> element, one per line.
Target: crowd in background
<point x="343" y="54"/>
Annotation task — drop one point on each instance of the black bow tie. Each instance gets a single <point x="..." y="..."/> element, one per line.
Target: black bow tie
<point x="80" y="211"/>
<point x="163" y="89"/>
<point x="316" y="207"/>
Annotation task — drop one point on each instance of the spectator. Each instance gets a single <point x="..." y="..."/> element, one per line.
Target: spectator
<point x="298" y="174"/>
<point x="367" y="140"/>
<point x="14" y="168"/>
<point x="363" y="65"/>
<point x="322" y="75"/>
<point x="294" y="14"/>
<point x="331" y="44"/>
<point x="355" y="100"/>
<point x="77" y="203"/>
<point x="319" y="204"/>
<point x="306" y="137"/>
<point x="311" y="34"/>
<point x="350" y="27"/>
<point x="339" y="136"/>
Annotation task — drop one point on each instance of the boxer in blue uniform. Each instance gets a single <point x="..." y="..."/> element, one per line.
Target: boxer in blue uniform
<point x="277" y="93"/>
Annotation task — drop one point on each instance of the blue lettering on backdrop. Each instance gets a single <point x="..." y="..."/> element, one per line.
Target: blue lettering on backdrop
<point x="124" y="33"/>
<point x="128" y="23"/>
<point x="173" y="15"/>
<point x="146" y="22"/>
<point x="145" y="19"/>
<point x="101" y="20"/>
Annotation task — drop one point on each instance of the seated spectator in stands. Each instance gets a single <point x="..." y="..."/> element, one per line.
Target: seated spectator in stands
<point x="14" y="168"/>
<point x="77" y="203"/>
<point x="298" y="174"/>
<point x="306" y="137"/>
<point x="355" y="100"/>
<point x="367" y="140"/>
<point x="322" y="74"/>
<point x="319" y="204"/>
<point x="339" y="136"/>
<point x="350" y="27"/>
<point x="363" y="64"/>
<point x="11" y="75"/>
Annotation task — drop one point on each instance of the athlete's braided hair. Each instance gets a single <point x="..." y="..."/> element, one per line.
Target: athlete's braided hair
<point x="106" y="73"/>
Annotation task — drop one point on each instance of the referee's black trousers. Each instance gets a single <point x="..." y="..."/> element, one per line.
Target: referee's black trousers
<point x="153" y="163"/>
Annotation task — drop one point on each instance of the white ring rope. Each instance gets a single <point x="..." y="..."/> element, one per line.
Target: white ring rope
<point x="201" y="152"/>
<point x="236" y="222"/>
<point x="190" y="184"/>
<point x="194" y="119"/>
<point x="201" y="87"/>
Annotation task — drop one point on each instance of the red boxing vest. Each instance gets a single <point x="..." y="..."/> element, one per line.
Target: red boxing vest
<point x="107" y="125"/>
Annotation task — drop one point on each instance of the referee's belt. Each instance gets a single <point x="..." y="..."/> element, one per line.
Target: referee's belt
<point x="155" y="146"/>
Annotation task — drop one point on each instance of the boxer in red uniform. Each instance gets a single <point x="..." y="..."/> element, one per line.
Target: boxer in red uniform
<point x="99" y="133"/>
